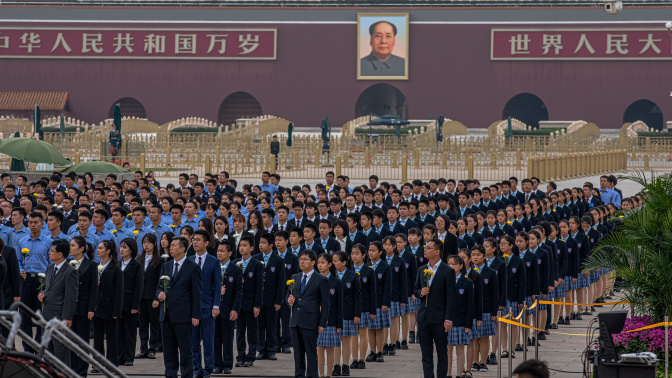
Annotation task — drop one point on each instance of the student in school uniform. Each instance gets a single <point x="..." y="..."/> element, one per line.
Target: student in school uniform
<point x="515" y="291"/>
<point x="352" y="312"/>
<point x="341" y="236"/>
<point x="531" y="267"/>
<point x="251" y="303"/>
<point x="543" y="261"/>
<point x="497" y="264"/>
<point x="367" y="279"/>
<point x="328" y="243"/>
<point x="309" y="241"/>
<point x="462" y="233"/>
<point x="366" y="222"/>
<point x="273" y="295"/>
<point x="489" y="303"/>
<point x="379" y="326"/>
<point x="475" y="277"/>
<point x="458" y="336"/>
<point x="330" y="338"/>
<point x="231" y="294"/>
<point x="583" y="249"/>
<point x="354" y="234"/>
<point x="399" y="297"/>
<point x="593" y="237"/>
<point x="559" y="292"/>
<point x="392" y="226"/>
<point x="415" y="249"/>
<point x="289" y="255"/>
<point x="411" y="308"/>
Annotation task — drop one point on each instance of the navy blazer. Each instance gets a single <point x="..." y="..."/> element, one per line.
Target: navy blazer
<point x="475" y="278"/>
<point x="383" y="283"/>
<point x="439" y="305"/>
<point x="367" y="280"/>
<point x="211" y="283"/>
<point x="489" y="290"/>
<point x="583" y="246"/>
<point x="398" y="229"/>
<point x="133" y="285"/>
<point x="253" y="285"/>
<point x="233" y="282"/>
<point x="183" y="295"/>
<point x="274" y="279"/>
<point x="352" y="295"/>
<point x="410" y="223"/>
<point x="516" y="286"/>
<point x="561" y="257"/>
<point x="411" y="266"/>
<point x="419" y="256"/>
<point x="316" y="247"/>
<point x="372" y="236"/>
<point x="573" y="257"/>
<point x="291" y="267"/>
<point x="335" y="302"/>
<point x="331" y="246"/>
<point x="87" y="296"/>
<point x="531" y="268"/>
<point x="464" y="303"/>
<point x="544" y="266"/>
<point x="360" y="238"/>
<point x="310" y="309"/>
<point x="499" y="267"/>
<point x="429" y="219"/>
<point x="399" y="279"/>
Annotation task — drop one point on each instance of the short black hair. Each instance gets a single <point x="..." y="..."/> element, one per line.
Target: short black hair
<point x="373" y="27"/>
<point x="310" y="253"/>
<point x="534" y="368"/>
<point x="62" y="246"/>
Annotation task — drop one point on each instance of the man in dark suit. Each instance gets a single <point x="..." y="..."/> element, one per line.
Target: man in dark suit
<point x="435" y="315"/>
<point x="70" y="216"/>
<point x="59" y="297"/>
<point x="11" y="286"/>
<point x="211" y="287"/>
<point x="310" y="301"/>
<point x="291" y="261"/>
<point x="181" y="309"/>
<point x="231" y="294"/>
<point x="273" y="295"/>
<point x="251" y="301"/>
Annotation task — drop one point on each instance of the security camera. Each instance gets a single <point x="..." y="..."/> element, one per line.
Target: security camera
<point x="613" y="6"/>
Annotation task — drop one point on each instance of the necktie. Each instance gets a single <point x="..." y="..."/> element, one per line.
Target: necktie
<point x="200" y="259"/>
<point x="303" y="283"/>
<point x="298" y="223"/>
<point x="53" y="274"/>
<point x="175" y="269"/>
<point x="527" y="198"/>
<point x="282" y="228"/>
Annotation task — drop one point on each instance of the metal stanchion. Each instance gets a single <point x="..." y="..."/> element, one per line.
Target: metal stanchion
<point x="667" y="348"/>
<point x="510" y="329"/>
<point x="523" y="321"/>
<point x="499" y="337"/>
<point x="536" y="332"/>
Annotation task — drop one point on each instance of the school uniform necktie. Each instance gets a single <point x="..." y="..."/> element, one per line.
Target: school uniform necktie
<point x="303" y="283"/>
<point x="527" y="198"/>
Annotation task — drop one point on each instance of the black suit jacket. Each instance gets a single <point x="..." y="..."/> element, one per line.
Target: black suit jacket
<point x="233" y="282"/>
<point x="183" y="296"/>
<point x="464" y="303"/>
<point x="87" y="296"/>
<point x="60" y="292"/>
<point x="11" y="286"/>
<point x="352" y="295"/>
<point x="367" y="279"/>
<point x="133" y="285"/>
<point x="310" y="309"/>
<point x="449" y="247"/>
<point x="110" y="292"/>
<point x="253" y="285"/>
<point x="332" y="245"/>
<point x="515" y="281"/>
<point x="69" y="221"/>
<point x="439" y="305"/>
<point x="274" y="279"/>
<point x="291" y="267"/>
<point x="151" y="277"/>
<point x="335" y="302"/>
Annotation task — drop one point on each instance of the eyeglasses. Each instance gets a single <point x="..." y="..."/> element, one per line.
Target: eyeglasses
<point x="304" y="259"/>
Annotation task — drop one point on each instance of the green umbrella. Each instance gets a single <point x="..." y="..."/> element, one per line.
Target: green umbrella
<point x="33" y="150"/>
<point x="94" y="167"/>
<point x="61" y="128"/>
<point x="290" y="128"/>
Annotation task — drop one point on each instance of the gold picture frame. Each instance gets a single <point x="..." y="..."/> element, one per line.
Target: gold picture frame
<point x="376" y="59"/>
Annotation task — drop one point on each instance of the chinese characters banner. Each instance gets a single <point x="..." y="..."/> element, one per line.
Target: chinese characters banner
<point x="138" y="43"/>
<point x="580" y="44"/>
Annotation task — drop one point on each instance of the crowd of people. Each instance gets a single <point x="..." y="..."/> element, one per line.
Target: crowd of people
<point x="343" y="276"/>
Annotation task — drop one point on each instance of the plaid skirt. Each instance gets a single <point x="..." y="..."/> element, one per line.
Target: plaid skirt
<point x="558" y="292"/>
<point x="529" y="302"/>
<point x="349" y="328"/>
<point x="457" y="336"/>
<point x="395" y="309"/>
<point x="364" y="321"/>
<point x="329" y="338"/>
<point x="605" y="271"/>
<point x="583" y="281"/>
<point x="514" y="309"/>
<point x="486" y="329"/>
<point x="381" y="321"/>
<point x="412" y="305"/>
<point x="568" y="285"/>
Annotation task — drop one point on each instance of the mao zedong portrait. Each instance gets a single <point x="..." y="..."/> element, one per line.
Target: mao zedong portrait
<point x="381" y="61"/>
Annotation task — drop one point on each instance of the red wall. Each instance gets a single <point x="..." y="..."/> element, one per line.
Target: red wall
<point x="315" y="74"/>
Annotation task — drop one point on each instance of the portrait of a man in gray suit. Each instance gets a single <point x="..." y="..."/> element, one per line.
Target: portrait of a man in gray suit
<point x="381" y="61"/>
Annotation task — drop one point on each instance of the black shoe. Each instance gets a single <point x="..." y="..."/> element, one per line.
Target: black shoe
<point x="337" y="371"/>
<point x="561" y="320"/>
<point x="542" y="336"/>
<point x="567" y="321"/>
<point x="518" y="348"/>
<point x="248" y="364"/>
<point x="379" y="357"/>
<point x="404" y="345"/>
<point x="354" y="364"/>
<point x="572" y="316"/>
<point x="608" y="297"/>
<point x="529" y="341"/>
<point x="411" y="337"/>
<point x="475" y="367"/>
<point x="361" y="364"/>
<point x="482" y="367"/>
<point x="371" y="357"/>
<point x="398" y="345"/>
<point x="386" y="349"/>
<point x="286" y="351"/>
<point x="592" y="309"/>
<point x="226" y="371"/>
<point x="272" y="357"/>
<point x="128" y="363"/>
<point x="492" y="360"/>
<point x="262" y="356"/>
<point x="392" y="350"/>
<point x="579" y="317"/>
<point x="554" y="326"/>
<point x="216" y="371"/>
<point x="239" y="363"/>
<point x="94" y="371"/>
<point x="345" y="372"/>
<point x="142" y="355"/>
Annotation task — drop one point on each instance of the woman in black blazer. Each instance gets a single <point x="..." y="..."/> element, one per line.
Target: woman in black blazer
<point x="150" y="336"/>
<point x="367" y="281"/>
<point x="515" y="290"/>
<point x="378" y="328"/>
<point x="352" y="310"/>
<point x="341" y="236"/>
<point x="475" y="278"/>
<point x="133" y="276"/>
<point x="330" y="338"/>
<point x="87" y="270"/>
<point x="164" y="245"/>
<point x="108" y="307"/>
<point x="458" y="335"/>
<point x="411" y="265"/>
<point x="489" y="293"/>
<point x="399" y="298"/>
<point x="531" y="268"/>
